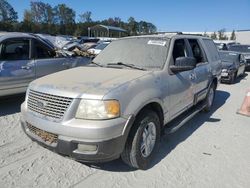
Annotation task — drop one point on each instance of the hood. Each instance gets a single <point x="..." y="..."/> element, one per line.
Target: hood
<point x="227" y="65"/>
<point x="85" y="81"/>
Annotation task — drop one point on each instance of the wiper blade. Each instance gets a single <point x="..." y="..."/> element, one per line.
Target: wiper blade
<point x="127" y="65"/>
<point x="99" y="65"/>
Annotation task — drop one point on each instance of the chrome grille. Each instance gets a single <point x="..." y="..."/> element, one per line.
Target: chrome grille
<point x="44" y="135"/>
<point x="49" y="105"/>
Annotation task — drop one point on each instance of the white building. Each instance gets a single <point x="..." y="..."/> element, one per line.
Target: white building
<point x="242" y="36"/>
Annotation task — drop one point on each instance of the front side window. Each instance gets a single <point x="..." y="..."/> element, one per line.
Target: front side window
<point x="15" y="50"/>
<point x="180" y="49"/>
<point x="41" y="51"/>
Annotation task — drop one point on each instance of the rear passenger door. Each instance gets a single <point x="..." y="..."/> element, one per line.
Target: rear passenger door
<point x="16" y="65"/>
<point x="46" y="60"/>
<point x="202" y="70"/>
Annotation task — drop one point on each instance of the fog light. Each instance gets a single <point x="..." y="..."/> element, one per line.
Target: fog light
<point x="86" y="148"/>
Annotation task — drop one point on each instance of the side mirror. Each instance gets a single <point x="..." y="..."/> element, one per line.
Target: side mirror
<point x="183" y="64"/>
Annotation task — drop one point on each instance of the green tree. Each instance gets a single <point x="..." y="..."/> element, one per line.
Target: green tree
<point x="7" y="12"/>
<point x="214" y="36"/>
<point x="42" y="17"/>
<point x="65" y="18"/>
<point x="205" y="34"/>
<point x="8" y="16"/>
<point x="85" y="17"/>
<point x="221" y="34"/>
<point x="233" y="36"/>
<point x="132" y="26"/>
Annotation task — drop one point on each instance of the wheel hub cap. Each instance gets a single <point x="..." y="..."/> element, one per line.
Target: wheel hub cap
<point x="148" y="139"/>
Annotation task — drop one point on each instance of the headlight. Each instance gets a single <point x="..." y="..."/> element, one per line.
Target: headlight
<point x="224" y="70"/>
<point x="98" y="109"/>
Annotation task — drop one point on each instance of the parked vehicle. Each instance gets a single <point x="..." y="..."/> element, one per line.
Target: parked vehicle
<point x="25" y="57"/>
<point x="224" y="44"/>
<point x="245" y="49"/>
<point x="100" y="46"/>
<point x="233" y="66"/>
<point x="135" y="89"/>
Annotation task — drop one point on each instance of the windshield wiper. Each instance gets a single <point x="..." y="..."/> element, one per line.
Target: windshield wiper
<point x="127" y="65"/>
<point x="99" y="65"/>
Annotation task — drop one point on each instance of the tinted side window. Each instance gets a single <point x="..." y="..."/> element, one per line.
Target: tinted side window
<point x="197" y="50"/>
<point x="15" y="50"/>
<point x="180" y="49"/>
<point x="212" y="49"/>
<point x="42" y="52"/>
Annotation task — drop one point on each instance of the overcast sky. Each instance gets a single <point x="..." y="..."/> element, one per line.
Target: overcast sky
<point x="167" y="15"/>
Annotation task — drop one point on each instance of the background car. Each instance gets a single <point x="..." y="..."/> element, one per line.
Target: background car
<point x="244" y="49"/>
<point x="233" y="65"/>
<point x="224" y="44"/>
<point x="25" y="57"/>
<point x="98" y="48"/>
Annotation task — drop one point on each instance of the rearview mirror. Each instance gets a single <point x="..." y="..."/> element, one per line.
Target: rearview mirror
<point x="183" y="64"/>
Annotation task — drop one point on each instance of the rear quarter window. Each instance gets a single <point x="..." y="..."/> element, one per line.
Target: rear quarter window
<point x="213" y="52"/>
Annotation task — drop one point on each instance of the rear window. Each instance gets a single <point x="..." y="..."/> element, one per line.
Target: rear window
<point x="214" y="55"/>
<point x="240" y="48"/>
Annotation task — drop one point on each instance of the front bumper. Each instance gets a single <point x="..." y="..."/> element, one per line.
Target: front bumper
<point x="248" y="64"/>
<point x="108" y="137"/>
<point x="226" y="76"/>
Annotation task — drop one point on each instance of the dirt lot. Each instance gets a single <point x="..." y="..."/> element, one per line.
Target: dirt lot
<point x="212" y="150"/>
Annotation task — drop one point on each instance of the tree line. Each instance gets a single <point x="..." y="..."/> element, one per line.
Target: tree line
<point x="61" y="19"/>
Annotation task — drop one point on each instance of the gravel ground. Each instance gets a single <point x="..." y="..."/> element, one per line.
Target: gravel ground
<point x="211" y="150"/>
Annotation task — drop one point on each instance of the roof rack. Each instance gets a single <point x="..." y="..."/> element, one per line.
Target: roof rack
<point x="169" y="32"/>
<point x="191" y="34"/>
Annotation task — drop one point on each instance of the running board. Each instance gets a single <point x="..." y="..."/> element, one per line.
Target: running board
<point x="179" y="121"/>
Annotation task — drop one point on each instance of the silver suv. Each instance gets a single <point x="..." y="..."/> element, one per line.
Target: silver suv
<point x="119" y="105"/>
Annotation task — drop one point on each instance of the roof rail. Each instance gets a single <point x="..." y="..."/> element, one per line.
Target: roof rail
<point x="191" y="34"/>
<point x="169" y="32"/>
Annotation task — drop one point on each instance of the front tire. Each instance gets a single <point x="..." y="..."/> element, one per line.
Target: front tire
<point x="233" y="77"/>
<point x="143" y="140"/>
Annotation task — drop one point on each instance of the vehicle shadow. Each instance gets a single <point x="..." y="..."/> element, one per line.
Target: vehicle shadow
<point x="169" y="142"/>
<point x="11" y="105"/>
<point x="239" y="79"/>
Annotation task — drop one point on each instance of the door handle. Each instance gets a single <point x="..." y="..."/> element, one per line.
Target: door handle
<point x="191" y="76"/>
<point x="25" y="67"/>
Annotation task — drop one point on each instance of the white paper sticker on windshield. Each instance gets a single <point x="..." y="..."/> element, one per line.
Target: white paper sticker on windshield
<point x="157" y="42"/>
<point x="232" y="54"/>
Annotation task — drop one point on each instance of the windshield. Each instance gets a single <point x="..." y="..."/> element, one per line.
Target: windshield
<point x="242" y="48"/>
<point x="229" y="56"/>
<point x="101" y="46"/>
<point x="147" y="52"/>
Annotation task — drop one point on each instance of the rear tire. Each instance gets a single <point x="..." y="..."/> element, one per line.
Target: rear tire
<point x="143" y="140"/>
<point x="209" y="98"/>
<point x="232" y="79"/>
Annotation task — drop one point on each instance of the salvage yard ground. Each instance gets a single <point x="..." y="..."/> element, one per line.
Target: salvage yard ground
<point x="211" y="150"/>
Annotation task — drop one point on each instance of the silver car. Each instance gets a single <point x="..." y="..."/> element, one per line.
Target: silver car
<point x="25" y="57"/>
<point x="121" y="103"/>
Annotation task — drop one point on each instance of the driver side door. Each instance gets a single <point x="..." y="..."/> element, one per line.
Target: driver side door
<point x="181" y="84"/>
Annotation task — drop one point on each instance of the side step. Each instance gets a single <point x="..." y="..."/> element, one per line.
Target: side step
<point x="179" y="121"/>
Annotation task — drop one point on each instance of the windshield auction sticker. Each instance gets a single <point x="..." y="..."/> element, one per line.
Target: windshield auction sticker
<point x="157" y="42"/>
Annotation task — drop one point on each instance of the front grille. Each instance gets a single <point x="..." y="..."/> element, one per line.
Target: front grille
<point x="49" y="105"/>
<point x="50" y="138"/>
